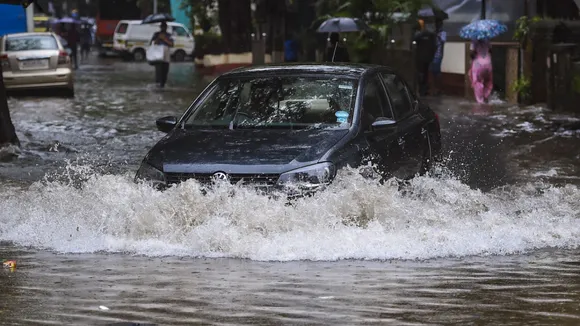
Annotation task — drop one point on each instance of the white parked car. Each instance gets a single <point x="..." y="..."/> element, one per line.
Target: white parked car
<point x="36" y="60"/>
<point x="131" y="39"/>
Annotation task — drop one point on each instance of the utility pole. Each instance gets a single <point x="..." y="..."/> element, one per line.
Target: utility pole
<point x="154" y="6"/>
<point x="483" y="8"/>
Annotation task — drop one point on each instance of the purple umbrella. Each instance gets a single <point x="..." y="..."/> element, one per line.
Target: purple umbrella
<point x="67" y="20"/>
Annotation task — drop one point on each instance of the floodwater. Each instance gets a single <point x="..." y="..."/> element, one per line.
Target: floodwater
<point x="491" y="238"/>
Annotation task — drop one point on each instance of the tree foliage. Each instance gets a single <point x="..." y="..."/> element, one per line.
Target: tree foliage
<point x="381" y="15"/>
<point x="200" y="13"/>
<point x="146" y="6"/>
<point x="233" y="18"/>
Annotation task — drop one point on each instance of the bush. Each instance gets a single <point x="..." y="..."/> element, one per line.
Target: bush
<point x="523" y="87"/>
<point x="207" y="43"/>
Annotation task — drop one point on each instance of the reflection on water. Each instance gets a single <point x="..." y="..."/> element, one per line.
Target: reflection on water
<point x="440" y="252"/>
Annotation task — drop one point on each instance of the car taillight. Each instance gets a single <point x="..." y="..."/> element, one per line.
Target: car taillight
<point x="4" y="61"/>
<point x="63" y="57"/>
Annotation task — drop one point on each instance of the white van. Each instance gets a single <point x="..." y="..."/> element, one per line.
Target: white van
<point x="131" y="39"/>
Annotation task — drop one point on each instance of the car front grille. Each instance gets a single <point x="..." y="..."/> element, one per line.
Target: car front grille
<point x="206" y="178"/>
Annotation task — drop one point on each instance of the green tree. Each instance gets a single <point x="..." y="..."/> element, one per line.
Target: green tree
<point x="233" y="17"/>
<point x="380" y="15"/>
<point x="146" y="7"/>
<point x="200" y="13"/>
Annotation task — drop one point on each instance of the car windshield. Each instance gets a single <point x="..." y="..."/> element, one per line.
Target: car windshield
<point x="277" y="102"/>
<point x="28" y="43"/>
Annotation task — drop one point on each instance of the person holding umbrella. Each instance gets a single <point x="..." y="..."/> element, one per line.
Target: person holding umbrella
<point x="162" y="67"/>
<point x="165" y="41"/>
<point x="336" y="52"/>
<point x="433" y="13"/>
<point x="69" y="32"/>
<point x="481" y="71"/>
<point x="337" y="25"/>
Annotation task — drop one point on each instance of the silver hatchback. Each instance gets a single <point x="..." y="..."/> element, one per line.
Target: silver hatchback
<point x="36" y="60"/>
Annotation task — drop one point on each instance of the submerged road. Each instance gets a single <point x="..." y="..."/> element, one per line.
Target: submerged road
<point x="494" y="238"/>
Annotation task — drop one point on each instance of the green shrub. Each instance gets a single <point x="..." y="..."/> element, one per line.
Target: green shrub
<point x="207" y="43"/>
<point x="576" y="84"/>
<point x="523" y="87"/>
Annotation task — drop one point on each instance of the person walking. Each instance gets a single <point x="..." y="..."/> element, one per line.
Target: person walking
<point x="86" y="40"/>
<point x="335" y="51"/>
<point x="71" y="35"/>
<point x="435" y="67"/>
<point x="481" y="71"/>
<point x="162" y="68"/>
<point x="425" y="51"/>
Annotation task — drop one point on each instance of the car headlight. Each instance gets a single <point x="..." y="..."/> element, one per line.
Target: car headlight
<point x="309" y="177"/>
<point x="149" y="173"/>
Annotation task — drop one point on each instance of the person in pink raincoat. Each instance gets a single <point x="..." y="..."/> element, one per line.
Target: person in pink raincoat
<point x="481" y="74"/>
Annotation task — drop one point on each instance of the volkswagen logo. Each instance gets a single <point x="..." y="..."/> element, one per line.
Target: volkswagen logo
<point x="220" y="176"/>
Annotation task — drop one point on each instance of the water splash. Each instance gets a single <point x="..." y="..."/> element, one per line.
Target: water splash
<point x="356" y="218"/>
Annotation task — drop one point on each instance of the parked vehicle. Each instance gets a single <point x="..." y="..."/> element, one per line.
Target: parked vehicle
<point x="109" y="13"/>
<point x="131" y="39"/>
<point x="292" y="127"/>
<point x="42" y="23"/>
<point x="36" y="60"/>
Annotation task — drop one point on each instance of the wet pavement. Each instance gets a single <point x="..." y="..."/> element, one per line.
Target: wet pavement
<point x="492" y="238"/>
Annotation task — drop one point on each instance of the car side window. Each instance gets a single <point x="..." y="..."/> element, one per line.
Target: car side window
<point x="398" y="94"/>
<point x="374" y="103"/>
<point x="221" y="102"/>
<point x="179" y="31"/>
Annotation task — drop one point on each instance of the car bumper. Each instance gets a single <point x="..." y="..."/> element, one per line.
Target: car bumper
<point x="275" y="191"/>
<point x="61" y="77"/>
<point x="106" y="45"/>
<point x="107" y="48"/>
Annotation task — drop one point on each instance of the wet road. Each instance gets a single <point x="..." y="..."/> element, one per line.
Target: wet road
<point x="493" y="239"/>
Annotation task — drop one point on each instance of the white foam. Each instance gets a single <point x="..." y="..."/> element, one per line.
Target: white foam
<point x="356" y="218"/>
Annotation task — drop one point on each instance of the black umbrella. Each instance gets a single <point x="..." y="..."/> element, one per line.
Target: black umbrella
<point x="342" y="24"/>
<point x="157" y="18"/>
<point x="432" y="12"/>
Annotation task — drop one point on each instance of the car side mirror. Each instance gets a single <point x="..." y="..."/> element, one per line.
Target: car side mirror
<point x="166" y="124"/>
<point x="383" y="122"/>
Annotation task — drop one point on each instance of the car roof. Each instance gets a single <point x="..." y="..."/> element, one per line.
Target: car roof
<point x="31" y="34"/>
<point x="138" y="22"/>
<point x="347" y="69"/>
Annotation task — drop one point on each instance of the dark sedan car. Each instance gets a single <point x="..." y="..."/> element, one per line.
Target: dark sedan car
<point x="293" y="126"/>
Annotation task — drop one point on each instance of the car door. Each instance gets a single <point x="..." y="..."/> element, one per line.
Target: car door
<point x="409" y="125"/>
<point x="381" y="139"/>
<point x="182" y="39"/>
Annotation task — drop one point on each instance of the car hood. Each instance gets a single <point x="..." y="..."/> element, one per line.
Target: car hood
<point x="184" y="150"/>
